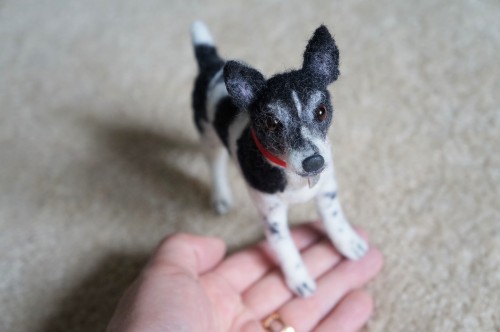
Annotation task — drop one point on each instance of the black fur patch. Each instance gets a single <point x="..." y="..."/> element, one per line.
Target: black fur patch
<point x="209" y="63"/>
<point x="273" y="229"/>
<point x="321" y="58"/>
<point x="258" y="173"/>
<point x="331" y="195"/>
<point x="302" y="288"/>
<point x="243" y="83"/>
<point x="225" y="114"/>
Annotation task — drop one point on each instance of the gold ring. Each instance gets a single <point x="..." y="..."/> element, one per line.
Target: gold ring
<point x="274" y="323"/>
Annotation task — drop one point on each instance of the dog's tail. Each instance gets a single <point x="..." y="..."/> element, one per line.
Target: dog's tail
<point x="204" y="48"/>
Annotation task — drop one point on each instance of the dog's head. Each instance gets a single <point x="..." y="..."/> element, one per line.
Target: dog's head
<point x="290" y="113"/>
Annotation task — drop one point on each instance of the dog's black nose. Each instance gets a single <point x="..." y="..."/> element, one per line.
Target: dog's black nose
<point x="313" y="163"/>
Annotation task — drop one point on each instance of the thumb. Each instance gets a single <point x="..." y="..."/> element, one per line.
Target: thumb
<point x="191" y="253"/>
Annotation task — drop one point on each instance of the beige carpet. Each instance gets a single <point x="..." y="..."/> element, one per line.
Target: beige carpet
<point x="99" y="157"/>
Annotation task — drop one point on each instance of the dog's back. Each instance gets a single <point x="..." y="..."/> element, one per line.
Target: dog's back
<point x="211" y="103"/>
<point x="209" y="63"/>
<point x="214" y="113"/>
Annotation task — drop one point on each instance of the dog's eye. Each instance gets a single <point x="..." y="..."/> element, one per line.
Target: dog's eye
<point x="272" y="123"/>
<point x="321" y="113"/>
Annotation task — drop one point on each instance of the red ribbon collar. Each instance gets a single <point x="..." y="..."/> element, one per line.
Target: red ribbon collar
<point x="271" y="157"/>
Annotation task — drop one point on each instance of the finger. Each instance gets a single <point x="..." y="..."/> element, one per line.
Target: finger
<point x="244" y="268"/>
<point x="349" y="315"/>
<point x="271" y="292"/>
<point x="190" y="253"/>
<point x="252" y="326"/>
<point x="332" y="287"/>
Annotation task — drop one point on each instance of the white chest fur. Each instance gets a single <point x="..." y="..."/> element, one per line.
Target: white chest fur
<point x="298" y="189"/>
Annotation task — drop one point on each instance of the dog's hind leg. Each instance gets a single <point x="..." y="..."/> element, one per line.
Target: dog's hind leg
<point x="222" y="196"/>
<point x="217" y="157"/>
<point x="340" y="232"/>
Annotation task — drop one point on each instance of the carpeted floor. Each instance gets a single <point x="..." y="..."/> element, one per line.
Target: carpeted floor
<point x="99" y="158"/>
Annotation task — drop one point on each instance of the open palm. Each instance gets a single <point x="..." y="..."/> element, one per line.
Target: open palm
<point x="188" y="286"/>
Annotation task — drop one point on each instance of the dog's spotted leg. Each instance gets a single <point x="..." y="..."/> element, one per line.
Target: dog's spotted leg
<point x="274" y="215"/>
<point x="343" y="236"/>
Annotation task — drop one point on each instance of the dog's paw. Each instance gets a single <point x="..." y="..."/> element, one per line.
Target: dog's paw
<point x="303" y="287"/>
<point x="353" y="247"/>
<point x="222" y="206"/>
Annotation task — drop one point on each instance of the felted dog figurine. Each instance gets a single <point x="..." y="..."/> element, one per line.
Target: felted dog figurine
<point x="276" y="131"/>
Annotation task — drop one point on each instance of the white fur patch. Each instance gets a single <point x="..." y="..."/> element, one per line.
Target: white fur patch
<point x="313" y="102"/>
<point x="216" y="91"/>
<point x="298" y="105"/>
<point x="200" y="35"/>
<point x="323" y="145"/>
<point x="281" y="112"/>
<point x="214" y="79"/>
<point x="235" y="131"/>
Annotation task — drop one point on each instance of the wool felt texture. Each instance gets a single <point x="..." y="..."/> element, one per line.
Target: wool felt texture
<point x="256" y="170"/>
<point x="99" y="158"/>
<point x="273" y="106"/>
<point x="244" y="84"/>
<point x="209" y="63"/>
<point x="269" y="156"/>
<point x="321" y="58"/>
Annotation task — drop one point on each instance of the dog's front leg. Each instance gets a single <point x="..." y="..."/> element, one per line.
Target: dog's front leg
<point x="340" y="232"/>
<point x="274" y="216"/>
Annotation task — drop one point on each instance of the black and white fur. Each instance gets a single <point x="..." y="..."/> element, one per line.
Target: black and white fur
<point x="287" y="113"/>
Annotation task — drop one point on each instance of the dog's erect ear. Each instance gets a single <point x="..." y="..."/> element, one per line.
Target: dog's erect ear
<point x="321" y="57"/>
<point x="243" y="83"/>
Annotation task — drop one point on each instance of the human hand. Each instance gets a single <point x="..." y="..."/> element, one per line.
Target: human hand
<point x="188" y="286"/>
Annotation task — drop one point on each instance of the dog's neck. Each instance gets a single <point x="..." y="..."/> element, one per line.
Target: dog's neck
<point x="266" y="153"/>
